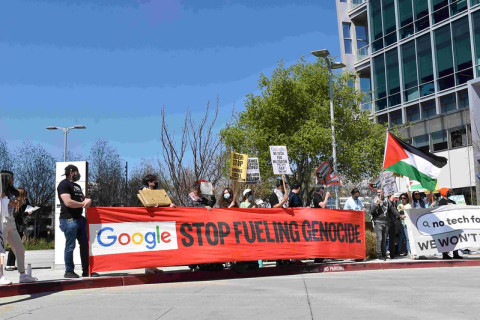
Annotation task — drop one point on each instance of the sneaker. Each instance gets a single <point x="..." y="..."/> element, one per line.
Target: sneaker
<point x="25" y="278"/>
<point x="92" y="275"/>
<point x="456" y="256"/>
<point x="152" y="271"/>
<point x="71" y="275"/>
<point x="4" y="280"/>
<point x="10" y="268"/>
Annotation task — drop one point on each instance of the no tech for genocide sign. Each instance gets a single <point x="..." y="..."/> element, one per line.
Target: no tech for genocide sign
<point x="443" y="229"/>
<point x="129" y="238"/>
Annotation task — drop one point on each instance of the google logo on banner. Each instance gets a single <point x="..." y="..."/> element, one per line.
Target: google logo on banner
<point x="125" y="237"/>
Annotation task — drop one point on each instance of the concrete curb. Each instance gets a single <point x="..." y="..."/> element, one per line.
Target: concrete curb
<point x="186" y="276"/>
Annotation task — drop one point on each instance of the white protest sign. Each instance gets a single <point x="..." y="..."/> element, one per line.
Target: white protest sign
<point x="443" y="229"/>
<point x="206" y="188"/>
<point x="279" y="158"/>
<point x="253" y="171"/>
<point x="389" y="185"/>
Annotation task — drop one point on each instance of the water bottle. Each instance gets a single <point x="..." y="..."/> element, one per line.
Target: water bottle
<point x="29" y="269"/>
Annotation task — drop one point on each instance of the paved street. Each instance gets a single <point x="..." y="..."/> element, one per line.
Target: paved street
<point x="433" y="293"/>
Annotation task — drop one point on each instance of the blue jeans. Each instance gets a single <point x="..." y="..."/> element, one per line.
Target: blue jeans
<point x="75" y="229"/>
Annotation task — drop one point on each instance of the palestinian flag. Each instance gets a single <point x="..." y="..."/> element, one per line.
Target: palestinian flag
<point x="403" y="159"/>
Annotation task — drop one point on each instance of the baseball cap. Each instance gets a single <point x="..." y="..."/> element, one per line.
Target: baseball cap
<point x="443" y="191"/>
<point x="246" y="191"/>
<point x="69" y="169"/>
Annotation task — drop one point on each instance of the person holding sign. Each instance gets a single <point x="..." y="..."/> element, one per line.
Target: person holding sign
<point x="278" y="198"/>
<point x="353" y="202"/>
<point x="318" y="200"/>
<point x="196" y="198"/>
<point x="445" y="201"/>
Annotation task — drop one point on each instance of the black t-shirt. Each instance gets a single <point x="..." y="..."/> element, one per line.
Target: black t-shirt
<point x="317" y="198"/>
<point x="75" y="192"/>
<point x="444" y="202"/>
<point x="273" y="199"/>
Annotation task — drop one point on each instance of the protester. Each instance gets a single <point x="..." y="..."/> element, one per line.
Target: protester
<point x="384" y="214"/>
<point x="416" y="199"/>
<point x="227" y="199"/>
<point x="353" y="202"/>
<point x="150" y="182"/>
<point x="19" y="212"/>
<point x="446" y="193"/>
<point x="294" y="199"/>
<point x="72" y="223"/>
<point x="402" y="206"/>
<point x="247" y="200"/>
<point x="318" y="196"/>
<point x="278" y="198"/>
<point x="196" y="198"/>
<point x="9" y="229"/>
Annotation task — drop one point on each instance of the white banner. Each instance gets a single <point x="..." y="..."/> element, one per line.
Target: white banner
<point x="279" y="158"/>
<point x="126" y="237"/>
<point x="253" y="171"/>
<point x="443" y="229"/>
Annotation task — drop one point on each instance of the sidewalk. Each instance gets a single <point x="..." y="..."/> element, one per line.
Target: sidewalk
<point x="51" y="279"/>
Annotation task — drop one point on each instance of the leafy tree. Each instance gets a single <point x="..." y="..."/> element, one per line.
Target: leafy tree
<point x="293" y="109"/>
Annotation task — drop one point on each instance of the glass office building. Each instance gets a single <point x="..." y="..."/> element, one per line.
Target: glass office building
<point x="414" y="59"/>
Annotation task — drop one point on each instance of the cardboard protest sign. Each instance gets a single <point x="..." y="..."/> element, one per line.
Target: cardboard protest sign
<point x="389" y="184"/>
<point x="325" y="175"/>
<point x="375" y="184"/>
<point x="238" y="166"/>
<point x="253" y="171"/>
<point x="443" y="229"/>
<point x="122" y="238"/>
<point x="206" y="188"/>
<point x="279" y="158"/>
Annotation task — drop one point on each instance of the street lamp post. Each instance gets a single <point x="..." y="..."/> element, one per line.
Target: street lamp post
<point x="65" y="132"/>
<point x="325" y="54"/>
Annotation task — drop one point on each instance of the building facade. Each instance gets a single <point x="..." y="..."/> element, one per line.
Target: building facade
<point x="416" y="59"/>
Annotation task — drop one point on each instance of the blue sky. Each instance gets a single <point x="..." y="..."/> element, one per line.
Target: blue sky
<point x="111" y="65"/>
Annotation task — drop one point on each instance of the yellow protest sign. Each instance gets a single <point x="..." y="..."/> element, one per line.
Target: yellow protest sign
<point x="238" y="166"/>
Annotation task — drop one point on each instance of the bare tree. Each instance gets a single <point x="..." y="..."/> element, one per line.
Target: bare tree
<point x="5" y="156"/>
<point x="106" y="180"/>
<point x="198" y="141"/>
<point x="34" y="170"/>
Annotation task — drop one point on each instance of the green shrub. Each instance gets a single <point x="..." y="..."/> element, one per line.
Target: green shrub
<point x="38" y="244"/>
<point x="371" y="244"/>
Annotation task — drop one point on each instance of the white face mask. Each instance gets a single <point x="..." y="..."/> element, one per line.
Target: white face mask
<point x="226" y="196"/>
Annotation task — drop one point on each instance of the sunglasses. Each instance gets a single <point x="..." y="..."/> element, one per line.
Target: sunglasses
<point x="403" y="198"/>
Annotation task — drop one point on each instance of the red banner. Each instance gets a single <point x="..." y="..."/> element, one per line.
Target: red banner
<point x="130" y="238"/>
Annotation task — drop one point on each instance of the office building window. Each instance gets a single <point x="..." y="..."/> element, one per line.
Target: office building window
<point x="409" y="63"/>
<point x="405" y="13"/>
<point x="389" y="24"/>
<point x="439" y="140"/>
<point x="444" y="59"/>
<point x="476" y="38"/>
<point x="382" y="119"/>
<point x="395" y="117"/>
<point x="448" y="103"/>
<point x="362" y="39"/>
<point x="347" y="37"/>
<point x="425" y="66"/>
<point x="462" y="51"/>
<point x="422" y="142"/>
<point x="457" y="6"/>
<point x="439" y="10"/>
<point x="375" y="9"/>
<point x="420" y="8"/>
<point x="462" y="98"/>
<point x="474" y="2"/>
<point x="380" y="90"/>
<point x="458" y="137"/>
<point x="393" y="77"/>
<point x="413" y="113"/>
<point x="428" y="109"/>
